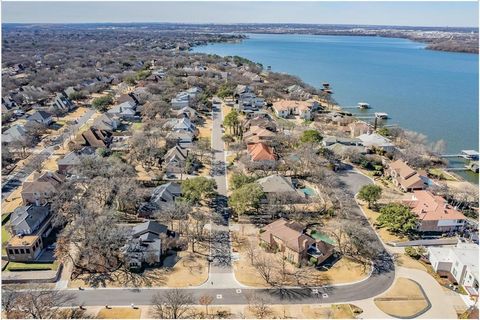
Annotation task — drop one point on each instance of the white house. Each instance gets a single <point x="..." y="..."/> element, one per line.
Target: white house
<point x="374" y="140"/>
<point x="461" y="261"/>
<point x="302" y="109"/>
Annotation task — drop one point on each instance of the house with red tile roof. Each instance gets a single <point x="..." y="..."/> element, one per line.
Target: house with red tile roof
<point x="261" y="152"/>
<point x="289" y="238"/>
<point x="434" y="213"/>
<point x="404" y="177"/>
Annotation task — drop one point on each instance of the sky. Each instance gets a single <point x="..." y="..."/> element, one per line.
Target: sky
<point x="451" y="14"/>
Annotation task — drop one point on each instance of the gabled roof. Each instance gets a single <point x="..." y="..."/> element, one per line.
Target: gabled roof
<point x="48" y="182"/>
<point x="105" y="122"/>
<point x="74" y="157"/>
<point x="276" y="183"/>
<point x="149" y="226"/>
<point x="15" y="133"/>
<point x="284" y="105"/>
<point x="176" y="152"/>
<point x="260" y="152"/>
<point x="95" y="138"/>
<point x="166" y="192"/>
<point x="28" y="217"/>
<point x="39" y="116"/>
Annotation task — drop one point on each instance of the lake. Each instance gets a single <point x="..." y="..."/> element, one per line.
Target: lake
<point x="432" y="92"/>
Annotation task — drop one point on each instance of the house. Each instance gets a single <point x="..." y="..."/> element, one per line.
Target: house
<point x="288" y="237"/>
<point x="42" y="189"/>
<point x="68" y="92"/>
<point x="95" y="138"/>
<point x="257" y="134"/>
<point x="41" y="117"/>
<point x="186" y="112"/>
<point x="434" y="213"/>
<point x="260" y="152"/>
<point x="297" y="92"/>
<point x="63" y="103"/>
<point x="404" y="177"/>
<point x="262" y="120"/>
<point x="275" y="186"/>
<point x="167" y="192"/>
<point x="73" y="159"/>
<point x="459" y="263"/>
<point x="105" y="122"/>
<point x="358" y="128"/>
<point x="182" y="138"/>
<point x="130" y="98"/>
<point x="340" y="119"/>
<point x="376" y="141"/>
<point x="147" y="243"/>
<point x="345" y="151"/>
<point x="174" y="160"/>
<point x="125" y="110"/>
<point x="252" y="76"/>
<point x="24" y="248"/>
<point x="15" y="134"/>
<point x="303" y="109"/>
<point x="185" y="98"/>
<point x="246" y="100"/>
<point x="30" y="219"/>
<point x="330" y="140"/>
<point x="181" y="125"/>
<point x="8" y="102"/>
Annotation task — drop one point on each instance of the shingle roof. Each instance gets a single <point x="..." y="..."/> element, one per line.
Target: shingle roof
<point x="28" y="217"/>
<point x="276" y="183"/>
<point x="149" y="226"/>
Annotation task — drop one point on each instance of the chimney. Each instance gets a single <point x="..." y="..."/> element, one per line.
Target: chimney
<point x="37" y="202"/>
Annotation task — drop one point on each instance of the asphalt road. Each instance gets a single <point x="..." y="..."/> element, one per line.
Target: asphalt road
<point x="380" y="280"/>
<point x="16" y="179"/>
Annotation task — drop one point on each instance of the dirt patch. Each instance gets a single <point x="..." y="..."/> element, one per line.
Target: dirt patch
<point x="405" y="299"/>
<point x="402" y="260"/>
<point x="384" y="234"/>
<point x="119" y="313"/>
<point x="205" y="131"/>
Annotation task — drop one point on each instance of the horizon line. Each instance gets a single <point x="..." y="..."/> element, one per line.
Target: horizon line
<point x="243" y="23"/>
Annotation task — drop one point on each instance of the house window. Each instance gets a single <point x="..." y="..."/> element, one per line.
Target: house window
<point x="10" y="251"/>
<point x="22" y="251"/>
<point x="27" y="251"/>
<point x="16" y="251"/>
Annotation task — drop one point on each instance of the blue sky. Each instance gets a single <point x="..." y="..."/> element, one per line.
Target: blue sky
<point x="453" y="14"/>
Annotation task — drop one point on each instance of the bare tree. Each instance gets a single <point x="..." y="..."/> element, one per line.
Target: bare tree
<point x="173" y="304"/>
<point x="206" y="300"/>
<point x="36" y="304"/>
<point x="259" y="306"/>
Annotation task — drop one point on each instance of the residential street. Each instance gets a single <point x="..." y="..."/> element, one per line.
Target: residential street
<point x="16" y="179"/>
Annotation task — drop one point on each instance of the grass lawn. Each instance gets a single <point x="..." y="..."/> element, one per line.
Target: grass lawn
<point x="137" y="126"/>
<point x="119" y="313"/>
<point x="404" y="299"/>
<point x="20" y="266"/>
<point x="442" y="174"/>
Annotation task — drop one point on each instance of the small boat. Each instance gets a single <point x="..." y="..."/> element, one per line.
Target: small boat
<point x="381" y="115"/>
<point x="363" y="105"/>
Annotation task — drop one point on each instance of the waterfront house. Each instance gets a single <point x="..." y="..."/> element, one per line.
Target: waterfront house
<point x="358" y="128"/>
<point x="404" y="177"/>
<point x="288" y="238"/>
<point x="302" y="109"/>
<point x="458" y="263"/>
<point x="434" y="213"/>
<point x="375" y="141"/>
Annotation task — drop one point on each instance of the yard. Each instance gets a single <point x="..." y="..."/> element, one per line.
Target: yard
<point x="205" y="131"/>
<point x="189" y="270"/>
<point x="20" y="266"/>
<point x="119" y="313"/>
<point x="405" y="299"/>
<point x="384" y="234"/>
<point x="343" y="271"/>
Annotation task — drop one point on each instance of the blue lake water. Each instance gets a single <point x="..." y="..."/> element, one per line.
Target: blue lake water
<point x="432" y="92"/>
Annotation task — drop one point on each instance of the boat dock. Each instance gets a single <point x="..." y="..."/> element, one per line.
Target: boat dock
<point x="466" y="154"/>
